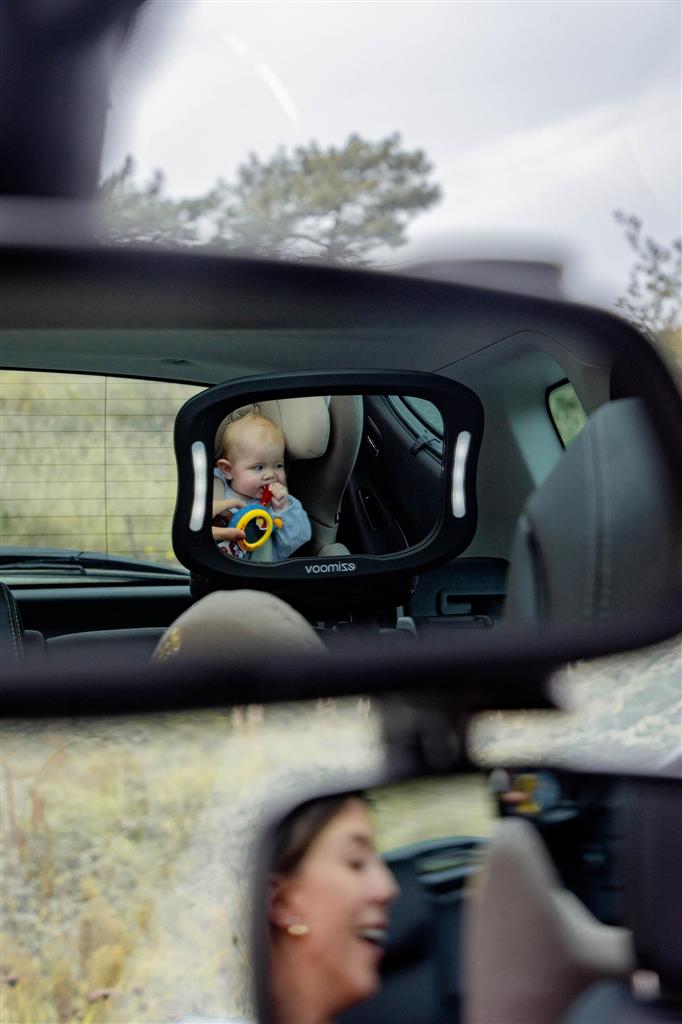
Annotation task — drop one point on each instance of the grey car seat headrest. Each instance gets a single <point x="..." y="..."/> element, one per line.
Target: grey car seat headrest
<point x="603" y="532"/>
<point x="653" y="878"/>
<point x="529" y="945"/>
<point x="304" y="422"/>
<point x="237" y="625"/>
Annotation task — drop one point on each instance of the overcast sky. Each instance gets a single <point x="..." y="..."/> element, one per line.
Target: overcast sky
<point x="540" y="118"/>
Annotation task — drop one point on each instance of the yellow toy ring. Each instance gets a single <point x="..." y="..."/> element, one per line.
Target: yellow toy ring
<point x="256" y="523"/>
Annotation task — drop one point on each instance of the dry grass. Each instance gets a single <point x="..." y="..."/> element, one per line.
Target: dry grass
<point x="126" y="851"/>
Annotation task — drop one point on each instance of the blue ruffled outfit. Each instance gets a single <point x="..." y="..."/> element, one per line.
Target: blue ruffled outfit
<point x="294" y="532"/>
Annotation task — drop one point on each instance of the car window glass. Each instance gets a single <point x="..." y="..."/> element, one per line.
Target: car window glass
<point x="421" y="417"/>
<point x="427" y="412"/>
<point x="88" y="463"/>
<point x="566" y="412"/>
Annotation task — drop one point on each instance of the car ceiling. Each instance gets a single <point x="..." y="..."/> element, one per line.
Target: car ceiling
<point x="205" y="319"/>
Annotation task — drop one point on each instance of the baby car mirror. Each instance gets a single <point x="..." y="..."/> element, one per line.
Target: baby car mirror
<point x="314" y="482"/>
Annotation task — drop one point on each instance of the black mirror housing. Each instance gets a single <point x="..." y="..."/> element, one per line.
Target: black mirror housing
<point x="323" y="579"/>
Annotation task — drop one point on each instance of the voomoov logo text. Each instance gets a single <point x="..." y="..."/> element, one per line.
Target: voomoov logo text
<point x="331" y="567"/>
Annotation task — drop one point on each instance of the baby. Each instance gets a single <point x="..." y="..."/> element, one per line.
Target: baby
<point x="251" y="460"/>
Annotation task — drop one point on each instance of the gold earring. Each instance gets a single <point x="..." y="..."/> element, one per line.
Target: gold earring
<point x="298" y="929"/>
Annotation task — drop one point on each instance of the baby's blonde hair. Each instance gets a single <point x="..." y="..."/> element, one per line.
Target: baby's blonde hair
<point x="229" y="433"/>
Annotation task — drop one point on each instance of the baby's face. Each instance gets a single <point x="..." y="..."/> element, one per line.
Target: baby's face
<point x="256" y="461"/>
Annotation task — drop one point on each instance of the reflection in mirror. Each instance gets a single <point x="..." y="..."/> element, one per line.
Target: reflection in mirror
<point x="127" y="870"/>
<point x="460" y="921"/>
<point x="358" y="884"/>
<point x="326" y="475"/>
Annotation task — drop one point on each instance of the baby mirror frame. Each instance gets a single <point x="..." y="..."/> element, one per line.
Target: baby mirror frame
<point x="312" y="575"/>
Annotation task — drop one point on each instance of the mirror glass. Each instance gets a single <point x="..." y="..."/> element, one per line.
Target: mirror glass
<point x="128" y="852"/>
<point x="326" y="475"/>
<point x="365" y="895"/>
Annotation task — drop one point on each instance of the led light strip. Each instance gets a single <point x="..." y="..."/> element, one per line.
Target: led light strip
<point x="196" y="519"/>
<point x="459" y="507"/>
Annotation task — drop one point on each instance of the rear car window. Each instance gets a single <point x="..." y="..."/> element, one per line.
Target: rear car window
<point x="422" y="418"/>
<point x="88" y="463"/>
<point x="566" y="411"/>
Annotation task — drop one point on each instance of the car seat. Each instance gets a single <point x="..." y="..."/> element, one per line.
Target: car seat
<point x="602" y="534"/>
<point x="17" y="645"/>
<point x="227" y="626"/>
<point x="322" y="438"/>
<point x="652" y="872"/>
<point x="529" y="945"/>
<point x="608" y="514"/>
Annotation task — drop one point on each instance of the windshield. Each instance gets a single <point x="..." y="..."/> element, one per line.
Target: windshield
<point x="403" y="134"/>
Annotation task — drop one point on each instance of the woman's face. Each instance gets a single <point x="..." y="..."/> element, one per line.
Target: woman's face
<point x="341" y="890"/>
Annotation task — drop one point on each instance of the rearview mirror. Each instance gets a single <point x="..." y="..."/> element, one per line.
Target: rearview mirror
<point x="205" y="319"/>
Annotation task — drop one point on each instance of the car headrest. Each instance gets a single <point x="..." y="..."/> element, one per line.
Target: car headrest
<point x="303" y="421"/>
<point x="529" y="945"/>
<point x="237" y="624"/>
<point x="603" y="532"/>
<point x="653" y="878"/>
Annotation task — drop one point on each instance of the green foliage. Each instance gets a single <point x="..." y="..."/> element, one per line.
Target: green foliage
<point x="653" y="298"/>
<point x="567" y="412"/>
<point x="134" y="213"/>
<point x="335" y="204"/>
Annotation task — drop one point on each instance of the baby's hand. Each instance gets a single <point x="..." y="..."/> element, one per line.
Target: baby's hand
<point x="280" y="496"/>
<point x="227" y="533"/>
<point x="226" y="505"/>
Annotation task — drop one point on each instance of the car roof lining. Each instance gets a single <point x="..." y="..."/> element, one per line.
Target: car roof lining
<point x="212" y="356"/>
<point x="197" y="318"/>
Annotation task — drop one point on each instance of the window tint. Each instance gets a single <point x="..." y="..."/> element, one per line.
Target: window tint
<point x="88" y="463"/>
<point x="427" y="412"/>
<point x="423" y="420"/>
<point x="567" y="414"/>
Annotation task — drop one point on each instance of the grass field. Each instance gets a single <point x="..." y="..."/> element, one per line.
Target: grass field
<point x="126" y="848"/>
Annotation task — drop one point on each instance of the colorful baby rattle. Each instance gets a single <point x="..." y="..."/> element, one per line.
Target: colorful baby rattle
<point x="256" y="522"/>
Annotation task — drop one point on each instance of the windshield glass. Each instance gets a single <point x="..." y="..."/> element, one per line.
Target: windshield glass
<point x="395" y="134"/>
